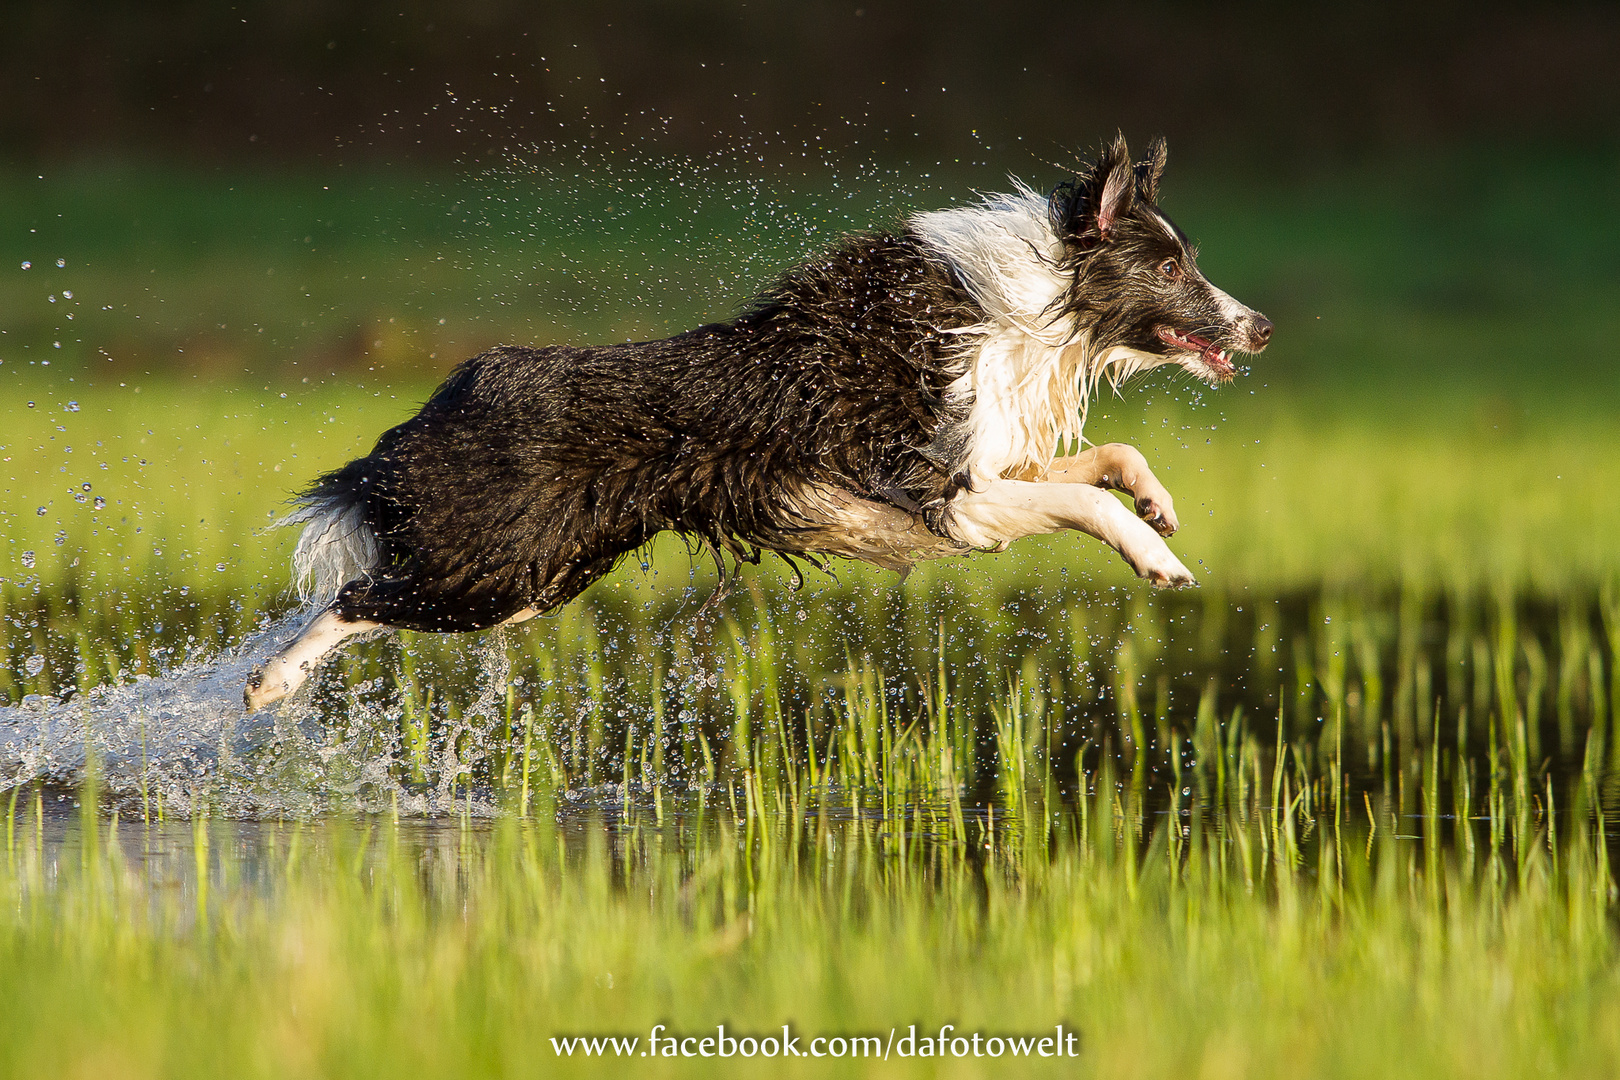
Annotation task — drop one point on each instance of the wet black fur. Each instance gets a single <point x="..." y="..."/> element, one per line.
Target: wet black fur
<point x="530" y="472"/>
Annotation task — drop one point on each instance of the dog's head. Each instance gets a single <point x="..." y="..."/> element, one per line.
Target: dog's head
<point x="1136" y="283"/>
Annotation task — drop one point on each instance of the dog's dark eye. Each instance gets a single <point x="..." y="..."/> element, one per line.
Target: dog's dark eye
<point x="1170" y="269"/>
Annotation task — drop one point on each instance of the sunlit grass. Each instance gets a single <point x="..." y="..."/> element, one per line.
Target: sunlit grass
<point x="157" y="480"/>
<point x="1261" y="920"/>
<point x="1342" y="811"/>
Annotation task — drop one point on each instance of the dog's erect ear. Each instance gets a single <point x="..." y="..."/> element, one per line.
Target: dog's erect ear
<point x="1149" y="169"/>
<point x="1084" y="211"/>
<point x="1113" y="184"/>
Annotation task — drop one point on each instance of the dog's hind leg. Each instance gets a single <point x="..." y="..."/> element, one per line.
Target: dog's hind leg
<point x="1119" y="467"/>
<point x="287" y="670"/>
<point x="1002" y="511"/>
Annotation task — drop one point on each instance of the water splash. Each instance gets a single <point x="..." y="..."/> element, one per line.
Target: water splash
<point x="171" y="743"/>
<point x="164" y="737"/>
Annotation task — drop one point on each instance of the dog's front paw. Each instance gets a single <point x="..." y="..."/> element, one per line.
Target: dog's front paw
<point x="1157" y="509"/>
<point x="1163" y="570"/>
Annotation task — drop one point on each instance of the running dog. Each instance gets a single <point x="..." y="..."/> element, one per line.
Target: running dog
<point x="902" y="396"/>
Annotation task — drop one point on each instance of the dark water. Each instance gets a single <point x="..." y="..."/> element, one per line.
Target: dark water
<point x="623" y="706"/>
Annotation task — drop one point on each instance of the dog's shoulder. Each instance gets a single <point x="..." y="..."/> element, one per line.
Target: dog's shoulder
<point x="883" y="281"/>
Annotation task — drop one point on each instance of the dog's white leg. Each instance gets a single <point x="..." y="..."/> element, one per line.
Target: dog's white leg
<point x="1119" y="467"/>
<point x="288" y="669"/>
<point x="1006" y="510"/>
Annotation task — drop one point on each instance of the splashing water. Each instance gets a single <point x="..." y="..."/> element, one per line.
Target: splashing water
<point x="181" y="740"/>
<point x="163" y="737"/>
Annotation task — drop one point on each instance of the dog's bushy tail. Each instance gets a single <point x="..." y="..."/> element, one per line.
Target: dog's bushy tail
<point x="337" y="545"/>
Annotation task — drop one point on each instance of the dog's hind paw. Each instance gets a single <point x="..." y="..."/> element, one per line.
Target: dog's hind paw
<point x="257" y="695"/>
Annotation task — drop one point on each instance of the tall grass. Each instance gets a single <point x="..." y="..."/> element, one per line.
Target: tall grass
<point x="1253" y="916"/>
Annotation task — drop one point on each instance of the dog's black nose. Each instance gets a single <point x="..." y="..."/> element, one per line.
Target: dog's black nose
<point x="1259" y="330"/>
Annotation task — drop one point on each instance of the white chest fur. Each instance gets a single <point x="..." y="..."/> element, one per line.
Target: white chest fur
<point x="1029" y="369"/>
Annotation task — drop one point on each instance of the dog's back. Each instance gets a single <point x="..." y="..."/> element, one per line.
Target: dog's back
<point x="529" y="472"/>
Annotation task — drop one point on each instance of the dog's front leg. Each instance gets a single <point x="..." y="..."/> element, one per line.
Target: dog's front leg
<point x="1119" y="467"/>
<point x="1002" y="511"/>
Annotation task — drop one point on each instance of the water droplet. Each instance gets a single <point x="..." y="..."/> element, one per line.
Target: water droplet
<point x="67" y="294"/>
<point x="220" y="567"/>
<point x="34" y="664"/>
<point x="28" y="559"/>
<point x="86" y="487"/>
<point x="61" y="262"/>
<point x="40" y="511"/>
<point x="78" y="496"/>
<point x="27" y="265"/>
<point x="51" y="298"/>
<point x="100" y="503"/>
<point x="73" y="406"/>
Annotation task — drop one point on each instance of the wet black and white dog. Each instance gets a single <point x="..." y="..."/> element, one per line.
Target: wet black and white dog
<point x="898" y="398"/>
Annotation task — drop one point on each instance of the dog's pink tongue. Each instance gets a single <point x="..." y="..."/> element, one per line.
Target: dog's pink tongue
<point x="1210" y="354"/>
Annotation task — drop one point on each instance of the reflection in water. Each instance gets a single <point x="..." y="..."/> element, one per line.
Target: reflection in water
<point x="930" y="714"/>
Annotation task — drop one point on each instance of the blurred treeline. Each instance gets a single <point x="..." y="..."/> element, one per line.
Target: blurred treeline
<point x="301" y="80"/>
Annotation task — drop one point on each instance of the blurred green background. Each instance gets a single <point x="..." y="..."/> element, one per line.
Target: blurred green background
<point x="236" y="243"/>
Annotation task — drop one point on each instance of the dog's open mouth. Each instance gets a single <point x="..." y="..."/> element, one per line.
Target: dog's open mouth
<point x="1218" y="361"/>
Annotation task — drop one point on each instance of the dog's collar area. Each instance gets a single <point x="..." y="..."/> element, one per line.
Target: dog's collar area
<point x="1218" y="361"/>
